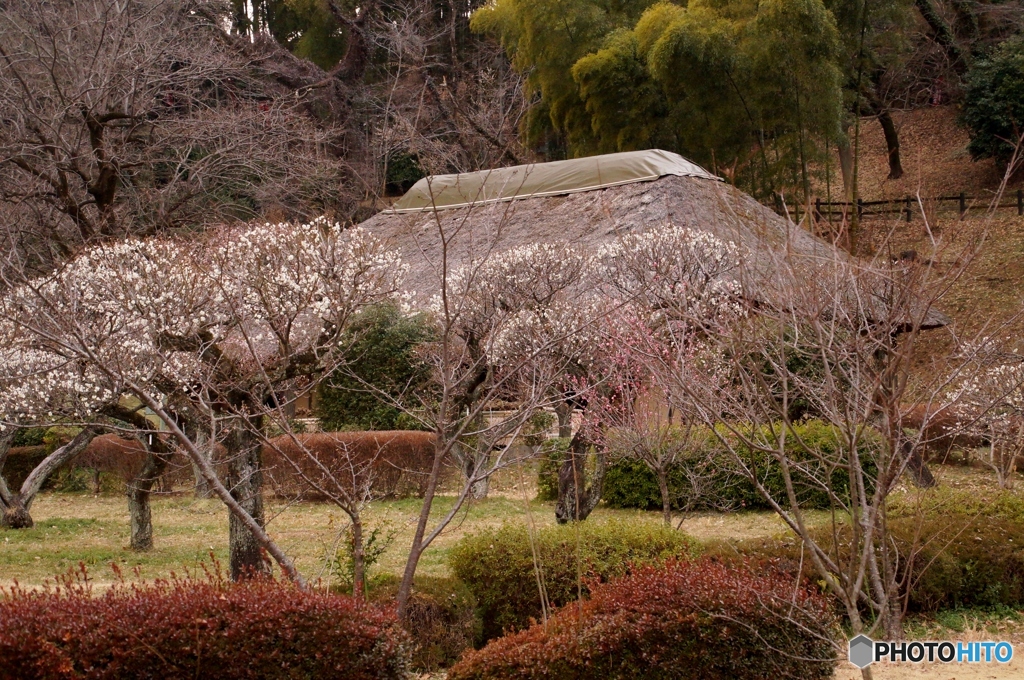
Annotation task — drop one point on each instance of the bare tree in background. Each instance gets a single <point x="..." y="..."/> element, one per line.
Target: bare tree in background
<point x="451" y="113"/>
<point x="135" y="117"/>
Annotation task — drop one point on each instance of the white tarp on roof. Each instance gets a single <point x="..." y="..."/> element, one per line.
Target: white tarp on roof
<point x="439" y="192"/>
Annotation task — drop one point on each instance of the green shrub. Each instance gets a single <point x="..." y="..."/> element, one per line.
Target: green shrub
<point x="498" y="566"/>
<point x="993" y="108"/>
<point x="679" y="620"/>
<point x="967" y="548"/>
<point x="442" y="618"/>
<point x="58" y="436"/>
<point x="631" y="484"/>
<point x="971" y="548"/>
<point x="382" y="353"/>
<point x="70" y="479"/>
<point x="29" y="436"/>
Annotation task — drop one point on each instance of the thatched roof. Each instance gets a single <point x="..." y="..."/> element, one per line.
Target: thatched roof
<point x="592" y="218"/>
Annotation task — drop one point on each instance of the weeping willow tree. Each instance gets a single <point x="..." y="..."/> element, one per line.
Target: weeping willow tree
<point x="751" y="90"/>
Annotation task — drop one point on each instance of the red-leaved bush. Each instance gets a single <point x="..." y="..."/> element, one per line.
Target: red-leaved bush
<point x="197" y="629"/>
<point x="701" y="619"/>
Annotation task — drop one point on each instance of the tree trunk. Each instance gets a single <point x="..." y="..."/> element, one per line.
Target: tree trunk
<point x="473" y="461"/>
<point x="16" y="515"/>
<point x="205" y="446"/>
<point x="892" y="143"/>
<point x="139" y="489"/>
<point x="666" y="499"/>
<point x="917" y="467"/>
<point x="563" y="411"/>
<point x="358" y="559"/>
<point x="245" y="481"/>
<point x="576" y="500"/>
<point x="846" y="164"/>
<point x="17" y="505"/>
<point x="416" y="550"/>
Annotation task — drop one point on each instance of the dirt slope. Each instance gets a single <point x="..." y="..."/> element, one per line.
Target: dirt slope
<point x="934" y="155"/>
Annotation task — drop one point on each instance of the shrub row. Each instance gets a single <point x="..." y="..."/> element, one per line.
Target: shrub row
<point x="498" y="564"/>
<point x="109" y="462"/>
<point x="630" y="483"/>
<point x="964" y="549"/>
<point x="394" y="462"/>
<point x="191" y="628"/>
<point x="969" y="548"/>
<point x="680" y="620"/>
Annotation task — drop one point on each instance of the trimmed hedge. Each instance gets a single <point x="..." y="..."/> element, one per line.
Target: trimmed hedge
<point x="395" y="463"/>
<point x="629" y="483"/>
<point x="441" y="619"/>
<point x="679" y="620"/>
<point x="189" y="629"/>
<point x="498" y="567"/>
<point x="21" y="460"/>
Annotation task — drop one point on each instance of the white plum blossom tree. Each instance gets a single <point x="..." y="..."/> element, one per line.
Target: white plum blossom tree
<point x="664" y="288"/>
<point x="992" y="397"/>
<point x="505" y="321"/>
<point x="224" y="329"/>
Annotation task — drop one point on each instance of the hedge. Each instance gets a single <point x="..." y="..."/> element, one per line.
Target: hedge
<point x="21" y="460"/>
<point x="680" y="620"/>
<point x="630" y="483"/>
<point x="498" y="566"/>
<point x="967" y="548"/>
<point x="192" y="628"/>
<point x="394" y="463"/>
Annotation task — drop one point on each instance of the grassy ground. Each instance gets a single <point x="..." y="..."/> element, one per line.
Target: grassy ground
<point x="94" y="529"/>
<point x="74" y="527"/>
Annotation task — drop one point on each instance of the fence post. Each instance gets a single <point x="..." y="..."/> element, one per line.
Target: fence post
<point x="963" y="205"/>
<point x="860" y="208"/>
<point x="817" y="209"/>
<point x="908" y="209"/>
<point x="1020" y="201"/>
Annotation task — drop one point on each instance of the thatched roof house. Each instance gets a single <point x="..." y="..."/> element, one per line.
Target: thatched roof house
<point x="591" y="201"/>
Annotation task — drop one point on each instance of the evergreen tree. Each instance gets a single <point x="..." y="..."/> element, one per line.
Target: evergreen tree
<point x="382" y="357"/>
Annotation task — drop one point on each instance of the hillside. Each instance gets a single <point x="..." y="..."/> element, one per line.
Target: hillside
<point x="936" y="162"/>
<point x="934" y="155"/>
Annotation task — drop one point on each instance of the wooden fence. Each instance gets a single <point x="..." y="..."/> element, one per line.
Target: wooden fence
<point x="828" y="210"/>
